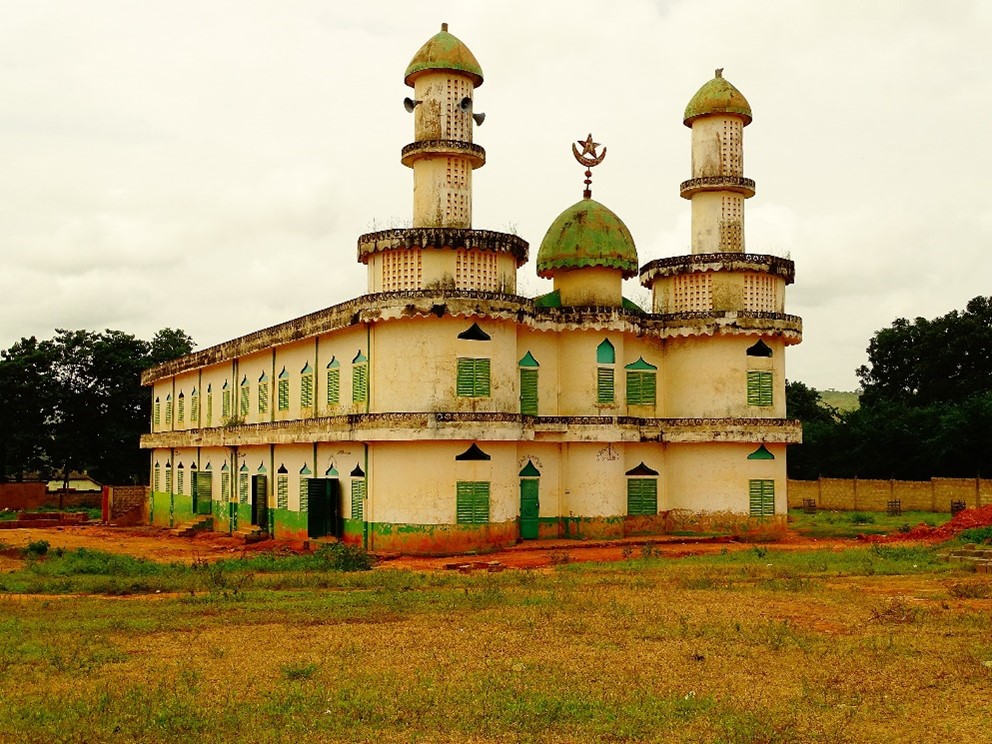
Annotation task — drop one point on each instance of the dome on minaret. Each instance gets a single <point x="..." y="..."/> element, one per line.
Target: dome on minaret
<point x="718" y="96"/>
<point x="584" y="235"/>
<point x="443" y="51"/>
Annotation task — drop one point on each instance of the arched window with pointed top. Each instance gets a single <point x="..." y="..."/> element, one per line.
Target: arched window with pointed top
<point x="333" y="383"/>
<point x="282" y="488"/>
<point x="210" y="404"/>
<point x="263" y="393"/>
<point x="225" y="398"/>
<point x="642" y="383"/>
<point x="762" y="453"/>
<point x="282" y="393"/>
<point x="359" y="493"/>
<point x="157" y="416"/>
<point x="642" y="491"/>
<point x="194" y="407"/>
<point x="181" y="405"/>
<point x="157" y="477"/>
<point x="168" y="410"/>
<point x="245" y="396"/>
<point x="305" y="475"/>
<point x="244" y="483"/>
<point x="180" y="478"/>
<point x="528" y="367"/>
<point x="474" y="333"/>
<point x="360" y="378"/>
<point x="306" y="386"/>
<point x="605" y="360"/>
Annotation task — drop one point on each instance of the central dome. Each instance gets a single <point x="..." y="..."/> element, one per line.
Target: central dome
<point x="587" y="234"/>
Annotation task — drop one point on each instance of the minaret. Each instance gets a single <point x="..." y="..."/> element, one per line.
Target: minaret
<point x="717" y="115"/>
<point x="441" y="251"/>
<point x="444" y="75"/>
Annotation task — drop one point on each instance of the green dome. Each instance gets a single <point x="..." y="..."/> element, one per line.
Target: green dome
<point x="444" y="52"/>
<point x="587" y="234"/>
<point x="717" y="96"/>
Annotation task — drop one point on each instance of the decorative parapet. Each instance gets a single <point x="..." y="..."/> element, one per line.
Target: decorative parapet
<point x="384" y="306"/>
<point x="453" y="238"/>
<point x="427" y="148"/>
<point x="738" y="184"/>
<point x="492" y="427"/>
<point x="699" y="262"/>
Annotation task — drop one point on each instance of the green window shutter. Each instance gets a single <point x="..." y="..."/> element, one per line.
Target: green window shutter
<point x="759" y="388"/>
<point x="263" y="397"/>
<point x="158" y="412"/>
<point x="168" y="412"/>
<point x="283" y="393"/>
<point x="358" y="499"/>
<point x="473" y="378"/>
<point x="225" y="485"/>
<point x="360" y="383"/>
<point x="642" y="496"/>
<point x="528" y="392"/>
<point x="180" y="478"/>
<point x="168" y="479"/>
<point x="225" y="405"/>
<point x="472" y="502"/>
<point x="194" y="409"/>
<point x="243" y="488"/>
<point x="157" y="479"/>
<point x="604" y="385"/>
<point x="333" y="387"/>
<point x="282" y="491"/>
<point x="481" y="378"/>
<point x="210" y="408"/>
<point x="641" y="388"/>
<point x="761" y="497"/>
<point x="306" y="391"/>
<point x="245" y="398"/>
<point x="466" y="377"/>
<point x="182" y="406"/>
<point x="304" y="494"/>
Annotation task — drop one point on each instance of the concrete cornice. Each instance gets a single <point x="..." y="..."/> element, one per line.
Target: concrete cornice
<point x="492" y="427"/>
<point x="452" y="238"/>
<point x="700" y="262"/>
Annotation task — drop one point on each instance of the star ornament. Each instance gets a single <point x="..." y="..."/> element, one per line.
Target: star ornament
<point x="588" y="156"/>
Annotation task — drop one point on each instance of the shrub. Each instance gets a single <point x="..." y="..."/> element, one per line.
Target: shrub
<point x="37" y="548"/>
<point x="976" y="535"/>
<point x="861" y="518"/>
<point x="342" y="557"/>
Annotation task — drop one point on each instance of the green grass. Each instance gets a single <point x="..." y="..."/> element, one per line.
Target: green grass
<point x="717" y="648"/>
<point x="852" y="524"/>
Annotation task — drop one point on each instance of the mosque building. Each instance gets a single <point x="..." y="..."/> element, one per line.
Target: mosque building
<point x="441" y="412"/>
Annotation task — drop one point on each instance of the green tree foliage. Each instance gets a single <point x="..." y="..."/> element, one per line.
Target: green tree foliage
<point x="75" y="402"/>
<point x="926" y="409"/>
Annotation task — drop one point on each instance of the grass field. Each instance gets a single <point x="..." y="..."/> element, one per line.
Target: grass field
<point x="854" y="523"/>
<point x="873" y="644"/>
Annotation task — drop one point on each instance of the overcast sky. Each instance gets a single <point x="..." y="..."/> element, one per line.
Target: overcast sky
<point x="209" y="165"/>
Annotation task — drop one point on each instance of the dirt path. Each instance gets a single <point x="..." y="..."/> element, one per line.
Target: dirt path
<point x="158" y="545"/>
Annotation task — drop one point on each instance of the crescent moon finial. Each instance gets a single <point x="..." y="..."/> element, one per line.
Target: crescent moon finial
<point x="589" y="158"/>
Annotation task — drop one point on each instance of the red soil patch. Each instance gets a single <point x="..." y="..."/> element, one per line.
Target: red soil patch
<point x="963" y="520"/>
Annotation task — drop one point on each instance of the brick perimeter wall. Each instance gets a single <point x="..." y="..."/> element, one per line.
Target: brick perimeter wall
<point x="936" y="495"/>
<point x="128" y="505"/>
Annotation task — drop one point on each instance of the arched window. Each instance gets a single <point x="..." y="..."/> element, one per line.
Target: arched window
<point x="642" y="491"/>
<point x="528" y="385"/>
<point x="760" y="349"/>
<point x="605" y="359"/>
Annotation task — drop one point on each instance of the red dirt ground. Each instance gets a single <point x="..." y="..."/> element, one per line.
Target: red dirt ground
<point x="158" y="545"/>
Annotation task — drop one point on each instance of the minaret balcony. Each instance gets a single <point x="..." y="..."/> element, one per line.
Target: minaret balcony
<point x="701" y="262"/>
<point x="407" y="238"/>
<point x="736" y="184"/>
<point x="446" y="148"/>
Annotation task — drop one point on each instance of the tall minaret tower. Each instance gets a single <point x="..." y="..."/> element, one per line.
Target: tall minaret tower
<point x="441" y="250"/>
<point x="717" y="115"/>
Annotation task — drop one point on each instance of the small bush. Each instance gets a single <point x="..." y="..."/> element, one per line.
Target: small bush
<point x="37" y="548"/>
<point x="861" y="518"/>
<point x="976" y="535"/>
<point x="299" y="671"/>
<point x="341" y="557"/>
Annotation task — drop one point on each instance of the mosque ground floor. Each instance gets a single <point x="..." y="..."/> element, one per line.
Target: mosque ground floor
<point x="577" y="479"/>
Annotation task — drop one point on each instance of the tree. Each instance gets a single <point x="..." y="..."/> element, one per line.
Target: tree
<point x="75" y="402"/>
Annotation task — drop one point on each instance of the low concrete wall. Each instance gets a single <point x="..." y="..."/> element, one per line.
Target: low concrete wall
<point x="855" y="494"/>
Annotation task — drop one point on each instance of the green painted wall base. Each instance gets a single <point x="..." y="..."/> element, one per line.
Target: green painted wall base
<point x="436" y="539"/>
<point x="289" y="525"/>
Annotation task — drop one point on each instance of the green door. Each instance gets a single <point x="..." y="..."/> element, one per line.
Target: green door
<point x="202" y="493"/>
<point x="323" y="507"/>
<point x="259" y="507"/>
<point x="530" y="507"/>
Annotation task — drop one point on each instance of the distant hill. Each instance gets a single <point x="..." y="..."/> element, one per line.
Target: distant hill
<point x="842" y="400"/>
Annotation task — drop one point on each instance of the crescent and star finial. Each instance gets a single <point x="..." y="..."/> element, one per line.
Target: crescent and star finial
<point x="589" y="159"/>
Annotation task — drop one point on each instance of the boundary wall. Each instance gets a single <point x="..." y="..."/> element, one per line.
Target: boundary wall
<point x="855" y="494"/>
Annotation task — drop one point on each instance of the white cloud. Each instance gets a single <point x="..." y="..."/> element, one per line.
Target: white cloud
<point x="209" y="165"/>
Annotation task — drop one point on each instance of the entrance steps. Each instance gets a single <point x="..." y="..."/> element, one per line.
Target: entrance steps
<point x="201" y="524"/>
<point x="251" y="535"/>
<point x="979" y="557"/>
